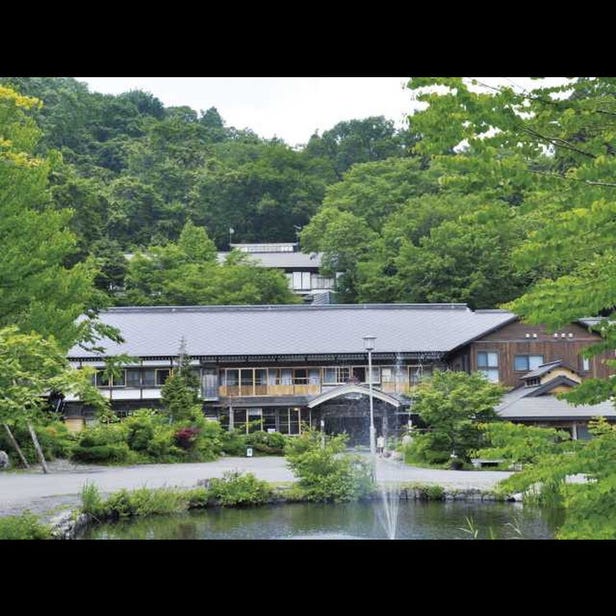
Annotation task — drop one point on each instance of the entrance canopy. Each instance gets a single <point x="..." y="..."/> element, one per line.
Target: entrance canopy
<point x="350" y="390"/>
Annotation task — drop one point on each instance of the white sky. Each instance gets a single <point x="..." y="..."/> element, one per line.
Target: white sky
<point x="290" y="108"/>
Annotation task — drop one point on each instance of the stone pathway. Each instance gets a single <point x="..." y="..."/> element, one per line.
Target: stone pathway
<point x="20" y="490"/>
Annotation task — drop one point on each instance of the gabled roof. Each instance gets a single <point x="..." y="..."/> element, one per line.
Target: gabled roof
<point x="531" y="403"/>
<point x="294" y="329"/>
<point x="551" y="408"/>
<point x="547" y="387"/>
<point x="545" y="368"/>
<point x="345" y="390"/>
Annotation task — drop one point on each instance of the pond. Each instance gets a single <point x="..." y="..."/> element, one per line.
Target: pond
<point x="416" y="520"/>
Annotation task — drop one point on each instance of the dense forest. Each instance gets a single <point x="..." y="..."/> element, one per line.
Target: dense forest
<point x="486" y="195"/>
<point x="134" y="173"/>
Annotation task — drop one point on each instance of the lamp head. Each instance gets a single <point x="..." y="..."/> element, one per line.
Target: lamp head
<point x="369" y="343"/>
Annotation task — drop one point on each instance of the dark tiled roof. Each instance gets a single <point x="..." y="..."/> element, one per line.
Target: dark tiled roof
<point x="551" y="408"/>
<point x="281" y="260"/>
<point x="547" y="367"/>
<point x="526" y="403"/>
<point x="296" y="329"/>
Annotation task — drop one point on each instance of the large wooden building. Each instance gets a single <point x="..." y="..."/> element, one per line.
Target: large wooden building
<point x="281" y="366"/>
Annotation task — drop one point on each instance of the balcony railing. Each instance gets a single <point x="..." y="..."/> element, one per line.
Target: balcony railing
<point x="234" y="391"/>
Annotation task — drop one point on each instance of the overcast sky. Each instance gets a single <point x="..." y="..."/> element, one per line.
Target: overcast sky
<point x="290" y="108"/>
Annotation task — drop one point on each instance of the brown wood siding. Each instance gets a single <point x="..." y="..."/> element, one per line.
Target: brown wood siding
<point x="512" y="340"/>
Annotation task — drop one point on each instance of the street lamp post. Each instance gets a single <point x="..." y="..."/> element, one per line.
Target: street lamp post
<point x="369" y="346"/>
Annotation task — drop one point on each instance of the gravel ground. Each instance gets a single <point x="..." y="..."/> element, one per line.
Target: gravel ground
<point x="47" y="494"/>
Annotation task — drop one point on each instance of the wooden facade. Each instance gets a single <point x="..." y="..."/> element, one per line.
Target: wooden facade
<point x="278" y="390"/>
<point x="519" y="339"/>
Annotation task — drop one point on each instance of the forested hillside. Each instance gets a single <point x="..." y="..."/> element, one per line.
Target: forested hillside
<point x="134" y="172"/>
<point x="451" y="209"/>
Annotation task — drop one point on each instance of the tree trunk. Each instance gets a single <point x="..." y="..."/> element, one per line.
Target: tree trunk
<point x="16" y="445"/>
<point x="39" y="451"/>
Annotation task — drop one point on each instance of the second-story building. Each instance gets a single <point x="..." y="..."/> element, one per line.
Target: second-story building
<point x="300" y="268"/>
<point x="278" y="367"/>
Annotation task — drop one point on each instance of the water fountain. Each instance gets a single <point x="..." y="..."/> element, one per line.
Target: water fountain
<point x="387" y="513"/>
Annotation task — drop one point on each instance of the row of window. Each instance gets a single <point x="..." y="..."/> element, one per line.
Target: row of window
<point x="133" y="377"/>
<point x="328" y="375"/>
<point x="487" y="363"/>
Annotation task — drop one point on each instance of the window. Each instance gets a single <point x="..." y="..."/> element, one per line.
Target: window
<point x="314" y="376"/>
<point x="101" y="379"/>
<point x="133" y="378"/>
<point x="585" y="364"/>
<point x="336" y="374"/>
<point x="301" y="281"/>
<point x="376" y="375"/>
<point x="419" y="372"/>
<point x="300" y="376"/>
<point x="148" y="377"/>
<point x="118" y="380"/>
<point x="487" y="364"/>
<point x="524" y="363"/>
<point x="162" y="375"/>
<point x="231" y="378"/>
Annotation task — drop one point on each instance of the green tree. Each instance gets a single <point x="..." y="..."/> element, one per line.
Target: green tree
<point x="39" y="292"/>
<point x="521" y="444"/>
<point x="453" y="405"/>
<point x="344" y="238"/>
<point x="465" y="260"/>
<point x="187" y="273"/>
<point x="359" y="141"/>
<point x="589" y="506"/>
<point x="325" y="472"/>
<point x="31" y="367"/>
<point x="180" y="392"/>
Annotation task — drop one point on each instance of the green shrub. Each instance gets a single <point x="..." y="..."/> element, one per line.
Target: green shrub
<point x="53" y="436"/>
<point x="102" y="453"/>
<point x="103" y="434"/>
<point x="431" y="492"/>
<point x="141" y="428"/>
<point x="145" y="501"/>
<point x="270" y="443"/>
<point x="24" y="526"/>
<point x="197" y="498"/>
<point x="91" y="500"/>
<point x="233" y="443"/>
<point x="239" y="489"/>
<point x="326" y="473"/>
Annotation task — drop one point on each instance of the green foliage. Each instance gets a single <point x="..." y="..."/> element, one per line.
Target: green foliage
<point x="272" y="443"/>
<point x="53" y="436"/>
<point x="430" y="492"/>
<point x="148" y="436"/>
<point x="31" y="366"/>
<point x="144" y="502"/>
<point x="91" y="500"/>
<point x="235" y="488"/>
<point x="453" y="405"/>
<point x="39" y="292"/>
<point x="588" y="503"/>
<point x="24" y="526"/>
<point x="325" y="472"/>
<point x="103" y="443"/>
<point x="233" y="442"/>
<point x="187" y="273"/>
<point x="521" y="444"/>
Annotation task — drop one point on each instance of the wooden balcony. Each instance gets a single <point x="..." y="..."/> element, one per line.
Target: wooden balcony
<point x="235" y="391"/>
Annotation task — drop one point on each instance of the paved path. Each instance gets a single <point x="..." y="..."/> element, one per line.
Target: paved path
<point x="41" y="493"/>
